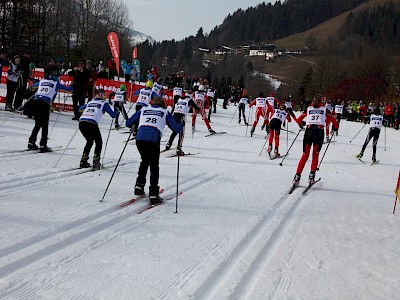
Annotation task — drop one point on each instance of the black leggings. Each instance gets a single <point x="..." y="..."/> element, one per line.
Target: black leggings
<point x="372" y="134"/>
<point x="150" y="155"/>
<point x="41" y="112"/>
<point x="91" y="133"/>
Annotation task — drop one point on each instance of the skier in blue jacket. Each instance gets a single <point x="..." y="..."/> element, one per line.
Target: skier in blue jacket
<point x="151" y="121"/>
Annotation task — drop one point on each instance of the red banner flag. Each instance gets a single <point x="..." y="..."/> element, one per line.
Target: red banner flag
<point x="114" y="47"/>
<point x="134" y="53"/>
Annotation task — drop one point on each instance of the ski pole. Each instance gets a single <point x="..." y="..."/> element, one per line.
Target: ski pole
<point x="385" y="138"/>
<point x="234" y="114"/>
<point x="105" y="147"/>
<point x="66" y="147"/>
<point x="289" y="148"/>
<point x="266" y="140"/>
<point x="358" y="133"/>
<point x="116" y="166"/>
<point x="249" y="118"/>
<point x="177" y="178"/>
<point x="287" y="135"/>
<point x="327" y="146"/>
<point x="397" y="192"/>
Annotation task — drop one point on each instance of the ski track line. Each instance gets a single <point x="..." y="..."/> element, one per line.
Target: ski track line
<point x="242" y="266"/>
<point x="75" y="237"/>
<point x="39" y="180"/>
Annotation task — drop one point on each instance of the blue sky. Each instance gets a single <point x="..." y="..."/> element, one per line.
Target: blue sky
<point x="177" y="19"/>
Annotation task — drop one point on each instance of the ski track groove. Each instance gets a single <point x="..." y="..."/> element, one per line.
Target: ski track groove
<point x="61" y="243"/>
<point x="242" y="261"/>
<point x="41" y="179"/>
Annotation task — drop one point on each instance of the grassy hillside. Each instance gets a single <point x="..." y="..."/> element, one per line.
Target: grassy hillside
<point x="322" y="31"/>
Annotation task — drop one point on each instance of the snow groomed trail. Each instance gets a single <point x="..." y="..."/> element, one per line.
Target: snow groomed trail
<point x="238" y="234"/>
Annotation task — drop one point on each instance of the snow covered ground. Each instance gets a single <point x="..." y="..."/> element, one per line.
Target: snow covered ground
<point x="238" y="234"/>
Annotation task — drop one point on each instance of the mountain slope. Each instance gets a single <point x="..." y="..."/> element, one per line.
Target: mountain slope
<point x="322" y="31"/>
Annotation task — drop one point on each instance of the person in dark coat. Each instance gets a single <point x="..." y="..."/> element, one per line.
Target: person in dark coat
<point x="24" y="68"/>
<point x="80" y="81"/>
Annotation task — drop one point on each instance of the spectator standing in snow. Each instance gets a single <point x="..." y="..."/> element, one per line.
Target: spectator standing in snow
<point x="80" y="80"/>
<point x="91" y="81"/>
<point x="13" y="82"/>
<point x="3" y="62"/>
<point x="24" y="67"/>
<point x="112" y="68"/>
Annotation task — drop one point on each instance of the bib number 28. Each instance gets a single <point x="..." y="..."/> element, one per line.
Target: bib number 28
<point x="151" y="120"/>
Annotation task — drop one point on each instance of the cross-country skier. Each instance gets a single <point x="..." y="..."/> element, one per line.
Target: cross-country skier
<point x="151" y="121"/>
<point x="278" y="118"/>
<point x="145" y="95"/>
<point x="339" y="112"/>
<point x="315" y="118"/>
<point x="119" y="100"/>
<point x="46" y="93"/>
<point x="89" y="127"/>
<point x="263" y="108"/>
<point x="177" y="93"/>
<point x="375" y="126"/>
<point x="329" y="110"/>
<point x="181" y="109"/>
<point x="242" y="109"/>
<point x="199" y="99"/>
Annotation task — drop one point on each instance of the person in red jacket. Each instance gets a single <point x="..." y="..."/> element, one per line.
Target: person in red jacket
<point x="388" y="113"/>
<point x="315" y="117"/>
<point x="263" y="108"/>
<point x="92" y="78"/>
<point x="112" y="68"/>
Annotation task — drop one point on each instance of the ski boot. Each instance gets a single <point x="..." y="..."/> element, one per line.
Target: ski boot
<point x="179" y="152"/>
<point x="167" y="146"/>
<point x="44" y="149"/>
<point x="296" y="179"/>
<point x="240" y="121"/>
<point x="252" y="131"/>
<point x="269" y="149"/>
<point x="154" y="196"/>
<point x="8" y="107"/>
<point x="96" y="163"/>
<point x="373" y="159"/>
<point x="32" y="146"/>
<point x="245" y="123"/>
<point x="139" y="189"/>
<point x="267" y="128"/>
<point x="193" y="129"/>
<point x="117" y="126"/>
<point x="84" y="161"/>
<point x="262" y="127"/>
<point x="276" y="152"/>
<point x="360" y="155"/>
<point x="327" y="139"/>
<point x="211" y="131"/>
<point x="311" y="177"/>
